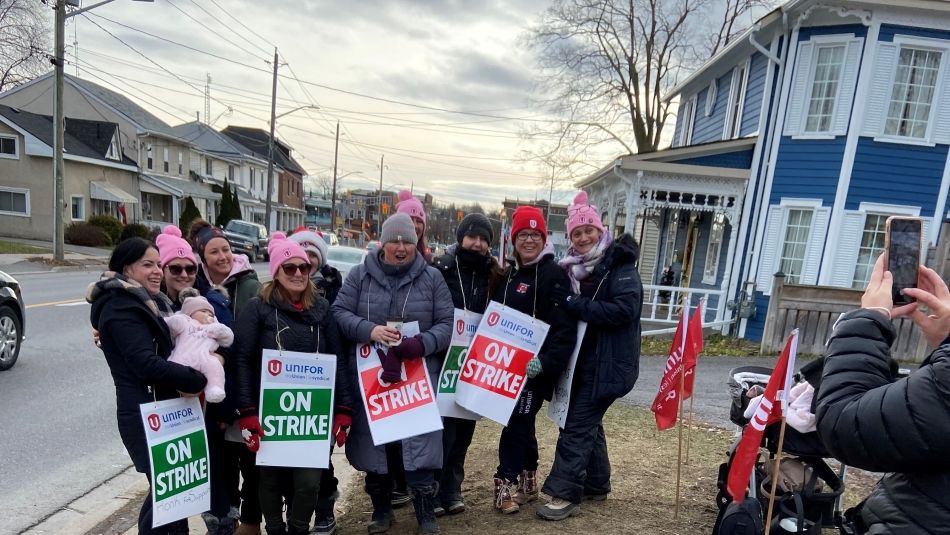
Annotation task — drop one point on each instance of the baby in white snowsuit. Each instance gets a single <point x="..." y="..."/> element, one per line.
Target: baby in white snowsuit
<point x="197" y="334"/>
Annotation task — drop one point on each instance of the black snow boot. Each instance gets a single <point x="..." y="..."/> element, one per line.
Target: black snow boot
<point x="424" y="502"/>
<point x="382" y="510"/>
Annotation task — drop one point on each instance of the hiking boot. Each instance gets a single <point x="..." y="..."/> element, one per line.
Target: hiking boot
<point x="439" y="510"/>
<point x="324" y="519"/>
<point x="248" y="529"/>
<point x="455" y="506"/>
<point x="423" y="501"/>
<point x="503" y="500"/>
<point x="225" y="526"/>
<point x="382" y="512"/>
<point x="400" y="499"/>
<point x="558" y="509"/>
<point x="599" y="497"/>
<point x="527" y="490"/>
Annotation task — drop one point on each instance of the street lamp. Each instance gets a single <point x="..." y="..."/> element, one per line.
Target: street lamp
<point x="59" y="122"/>
<point x="270" y="146"/>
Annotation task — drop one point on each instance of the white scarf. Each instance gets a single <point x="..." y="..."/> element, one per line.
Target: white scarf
<point x="580" y="266"/>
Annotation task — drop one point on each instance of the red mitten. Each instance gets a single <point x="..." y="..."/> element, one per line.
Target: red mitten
<point x="341" y="426"/>
<point x="252" y="432"/>
<point x="411" y="348"/>
<point x="392" y="366"/>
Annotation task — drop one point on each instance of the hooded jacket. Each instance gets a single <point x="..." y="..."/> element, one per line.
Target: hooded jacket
<point x="541" y="289"/>
<point x="611" y="349"/>
<point x="370" y="298"/>
<point x="869" y="420"/>
<point x="239" y="286"/>
<point x="468" y="276"/>
<point x="136" y="343"/>
<point x="281" y="326"/>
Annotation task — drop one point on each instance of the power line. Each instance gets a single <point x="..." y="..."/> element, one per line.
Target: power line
<point x="252" y="43"/>
<point x="205" y="26"/>
<point x="237" y="20"/>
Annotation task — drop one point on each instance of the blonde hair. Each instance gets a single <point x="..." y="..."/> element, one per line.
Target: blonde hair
<point x="272" y="292"/>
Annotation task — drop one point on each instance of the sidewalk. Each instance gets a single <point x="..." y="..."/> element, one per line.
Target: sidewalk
<point x="77" y="258"/>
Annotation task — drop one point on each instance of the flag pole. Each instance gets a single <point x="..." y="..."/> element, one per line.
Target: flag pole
<point x="679" y="448"/>
<point x="775" y="474"/>
<point x="701" y="310"/>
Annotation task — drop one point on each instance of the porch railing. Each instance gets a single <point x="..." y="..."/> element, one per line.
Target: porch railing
<point x="663" y="305"/>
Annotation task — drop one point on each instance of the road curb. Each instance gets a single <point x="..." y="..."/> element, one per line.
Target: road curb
<point x="90" y="509"/>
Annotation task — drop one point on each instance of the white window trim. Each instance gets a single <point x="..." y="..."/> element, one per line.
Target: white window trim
<point x="819" y="42"/>
<point x="17" y="190"/>
<point x="711" y="94"/>
<point x="686" y="129"/>
<point x="794" y="202"/>
<point x="939" y="45"/>
<point x="715" y="272"/>
<point x="732" y="131"/>
<point x="115" y="151"/>
<point x="82" y="207"/>
<point x="16" y="147"/>
<point x="888" y="209"/>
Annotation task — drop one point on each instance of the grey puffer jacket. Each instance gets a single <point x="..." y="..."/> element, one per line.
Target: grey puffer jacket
<point x="869" y="420"/>
<point x="367" y="299"/>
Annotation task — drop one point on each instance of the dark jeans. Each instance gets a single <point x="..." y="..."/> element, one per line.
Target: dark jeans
<point x="145" y="518"/>
<point x="328" y="482"/>
<point x="456" y="438"/>
<point x="224" y="470"/>
<point x="581" y="465"/>
<point x="306" y="485"/>
<point x="421" y="480"/>
<point x="518" y="445"/>
<point x="250" y="490"/>
<point x="396" y="468"/>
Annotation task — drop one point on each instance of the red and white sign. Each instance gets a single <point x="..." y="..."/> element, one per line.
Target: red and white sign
<point x="493" y="374"/>
<point x="397" y="410"/>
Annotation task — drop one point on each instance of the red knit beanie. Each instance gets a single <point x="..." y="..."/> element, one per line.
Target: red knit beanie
<point x="528" y="218"/>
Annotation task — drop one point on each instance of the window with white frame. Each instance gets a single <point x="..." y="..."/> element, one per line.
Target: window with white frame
<point x="180" y="163"/>
<point x="165" y="159"/>
<point x="795" y="244"/>
<point x="253" y="180"/>
<point x="711" y="97"/>
<point x="14" y="201"/>
<point x="77" y="207"/>
<point x="688" y="112"/>
<point x="829" y="61"/>
<point x="736" y="98"/>
<point x="208" y="167"/>
<point x="148" y="156"/>
<point x="714" y="249"/>
<point x="872" y="245"/>
<point x="8" y="147"/>
<point x="114" y="152"/>
<point x="911" y="99"/>
<point x="231" y="173"/>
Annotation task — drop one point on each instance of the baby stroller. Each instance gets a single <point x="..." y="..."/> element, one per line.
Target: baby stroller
<point x="808" y="493"/>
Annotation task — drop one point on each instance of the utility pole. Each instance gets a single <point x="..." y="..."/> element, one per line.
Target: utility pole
<point x="270" y="145"/>
<point x="58" y="133"/>
<point x="379" y="200"/>
<point x="336" y="155"/>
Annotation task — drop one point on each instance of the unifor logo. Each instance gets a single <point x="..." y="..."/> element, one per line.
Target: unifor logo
<point x="181" y="252"/>
<point x="533" y="223"/>
<point x="154" y="422"/>
<point x="493" y="319"/>
<point x="364" y="351"/>
<point x="460" y="326"/>
<point x="273" y="367"/>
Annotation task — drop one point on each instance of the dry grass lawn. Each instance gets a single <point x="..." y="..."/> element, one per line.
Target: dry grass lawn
<point x="644" y="476"/>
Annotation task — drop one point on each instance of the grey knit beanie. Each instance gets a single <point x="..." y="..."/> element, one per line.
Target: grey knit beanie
<point x="399" y="227"/>
<point x="475" y="225"/>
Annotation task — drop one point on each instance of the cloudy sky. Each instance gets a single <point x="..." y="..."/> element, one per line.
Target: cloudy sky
<point x="395" y="74"/>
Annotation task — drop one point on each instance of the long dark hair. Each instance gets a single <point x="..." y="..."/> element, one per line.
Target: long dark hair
<point x="128" y="252"/>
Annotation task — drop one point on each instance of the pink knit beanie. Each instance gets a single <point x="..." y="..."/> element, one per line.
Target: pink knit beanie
<point x="194" y="304"/>
<point x="411" y="206"/>
<point x="580" y="213"/>
<point x="280" y="249"/>
<point x="171" y="246"/>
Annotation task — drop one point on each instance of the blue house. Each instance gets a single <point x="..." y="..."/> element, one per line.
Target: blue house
<point x="791" y="148"/>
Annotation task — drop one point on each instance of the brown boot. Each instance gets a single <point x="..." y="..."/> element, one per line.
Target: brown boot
<point x="248" y="529"/>
<point x="503" y="499"/>
<point x="527" y="490"/>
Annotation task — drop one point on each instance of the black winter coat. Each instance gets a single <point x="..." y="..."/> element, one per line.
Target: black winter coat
<point x="468" y="276"/>
<point x="547" y="283"/>
<point x="868" y="420"/>
<point x="136" y="344"/>
<point x="309" y="331"/>
<point x="613" y="321"/>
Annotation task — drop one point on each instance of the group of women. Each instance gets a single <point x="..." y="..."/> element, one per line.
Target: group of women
<point x="306" y="308"/>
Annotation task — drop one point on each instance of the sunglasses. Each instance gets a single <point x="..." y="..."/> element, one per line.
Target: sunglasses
<point x="291" y="269"/>
<point x="176" y="270"/>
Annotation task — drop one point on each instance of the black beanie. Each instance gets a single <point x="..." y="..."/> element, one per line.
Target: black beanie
<point x="475" y="225"/>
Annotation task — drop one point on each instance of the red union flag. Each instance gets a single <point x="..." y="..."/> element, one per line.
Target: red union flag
<point x="694" y="346"/>
<point x="771" y="409"/>
<point x="687" y="343"/>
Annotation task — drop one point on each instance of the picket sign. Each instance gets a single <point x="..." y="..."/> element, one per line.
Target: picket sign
<point x="464" y="330"/>
<point x="400" y="410"/>
<point x="561" y="399"/>
<point x="493" y="374"/>
<point x="178" y="455"/>
<point x="296" y="408"/>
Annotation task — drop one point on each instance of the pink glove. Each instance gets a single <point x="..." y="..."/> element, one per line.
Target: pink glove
<point x="392" y="366"/>
<point x="411" y="348"/>
<point x="341" y="426"/>
<point x="253" y="434"/>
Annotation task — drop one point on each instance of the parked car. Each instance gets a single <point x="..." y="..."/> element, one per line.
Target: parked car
<point x="329" y="237"/>
<point x="12" y="320"/>
<point x="247" y="238"/>
<point x="343" y="258"/>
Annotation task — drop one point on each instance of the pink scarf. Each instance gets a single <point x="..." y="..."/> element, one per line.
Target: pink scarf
<point x="580" y="266"/>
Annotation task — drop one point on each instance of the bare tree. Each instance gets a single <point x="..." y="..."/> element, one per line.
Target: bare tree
<point x="606" y="66"/>
<point x="24" y="40"/>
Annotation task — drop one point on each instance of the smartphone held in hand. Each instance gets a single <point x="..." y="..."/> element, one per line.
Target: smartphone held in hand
<point x="903" y="243"/>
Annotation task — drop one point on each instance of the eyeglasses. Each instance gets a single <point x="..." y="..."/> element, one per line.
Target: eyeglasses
<point x="176" y="270"/>
<point x="291" y="269"/>
<point x="525" y="236"/>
